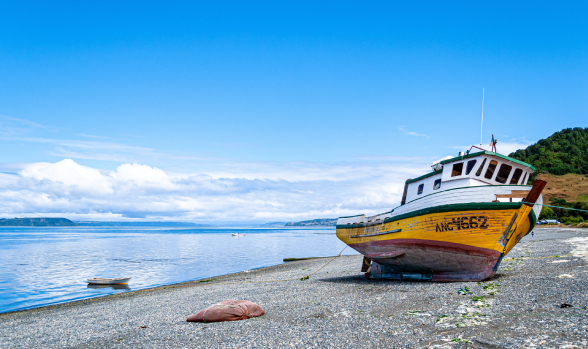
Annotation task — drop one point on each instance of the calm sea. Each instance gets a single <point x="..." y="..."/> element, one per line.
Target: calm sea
<point x="41" y="266"/>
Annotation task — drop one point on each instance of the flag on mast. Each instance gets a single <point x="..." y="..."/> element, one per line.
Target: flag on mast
<point x="493" y="143"/>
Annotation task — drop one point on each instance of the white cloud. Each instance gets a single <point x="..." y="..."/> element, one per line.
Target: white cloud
<point x="510" y="147"/>
<point x="66" y="176"/>
<point x="411" y="133"/>
<point x="232" y="192"/>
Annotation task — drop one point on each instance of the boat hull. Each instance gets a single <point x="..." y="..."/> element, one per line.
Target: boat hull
<point x="430" y="260"/>
<point x="444" y="243"/>
<point x="108" y="281"/>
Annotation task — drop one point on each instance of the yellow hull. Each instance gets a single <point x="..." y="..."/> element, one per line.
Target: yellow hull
<point x="450" y="242"/>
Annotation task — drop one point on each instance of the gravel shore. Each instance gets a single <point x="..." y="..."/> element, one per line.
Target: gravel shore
<point x="338" y="308"/>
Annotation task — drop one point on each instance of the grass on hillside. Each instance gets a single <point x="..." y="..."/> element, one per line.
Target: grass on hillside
<point x="571" y="187"/>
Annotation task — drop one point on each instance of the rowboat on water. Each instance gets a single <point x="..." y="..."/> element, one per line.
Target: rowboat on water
<point x="108" y="281"/>
<point x="112" y="287"/>
<point x="455" y="223"/>
<point x="237" y="234"/>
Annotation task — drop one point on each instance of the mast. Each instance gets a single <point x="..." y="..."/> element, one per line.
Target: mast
<point x="482" y="124"/>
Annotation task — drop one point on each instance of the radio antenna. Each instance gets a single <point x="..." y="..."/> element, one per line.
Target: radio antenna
<point x="482" y="124"/>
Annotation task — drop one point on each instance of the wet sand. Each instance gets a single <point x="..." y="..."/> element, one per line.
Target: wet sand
<point x="338" y="308"/>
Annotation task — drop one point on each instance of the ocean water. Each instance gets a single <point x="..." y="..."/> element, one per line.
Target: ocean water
<point x="41" y="266"/>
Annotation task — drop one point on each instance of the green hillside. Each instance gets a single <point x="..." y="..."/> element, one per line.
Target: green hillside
<point x="563" y="152"/>
<point x="562" y="161"/>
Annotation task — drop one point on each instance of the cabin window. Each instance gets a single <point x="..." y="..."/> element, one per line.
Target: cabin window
<point x="524" y="182"/>
<point x="421" y="187"/>
<point x="516" y="176"/>
<point x="479" y="172"/>
<point x="503" y="173"/>
<point x="457" y="169"/>
<point x="470" y="166"/>
<point x="490" y="170"/>
<point x="437" y="184"/>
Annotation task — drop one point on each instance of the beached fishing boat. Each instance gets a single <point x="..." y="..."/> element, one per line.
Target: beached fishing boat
<point x="455" y="223"/>
<point x="108" y="281"/>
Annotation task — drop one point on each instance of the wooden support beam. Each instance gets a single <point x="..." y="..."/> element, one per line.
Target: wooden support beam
<point x="367" y="263"/>
<point x="538" y="186"/>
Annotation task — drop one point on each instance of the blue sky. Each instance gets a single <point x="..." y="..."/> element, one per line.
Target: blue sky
<point x="306" y="94"/>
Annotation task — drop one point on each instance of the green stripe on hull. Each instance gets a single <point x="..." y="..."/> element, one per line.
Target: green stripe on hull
<point x="532" y="220"/>
<point x="447" y="208"/>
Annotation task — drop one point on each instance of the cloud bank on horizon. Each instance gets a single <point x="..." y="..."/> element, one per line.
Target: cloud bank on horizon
<point x="192" y="188"/>
<point x="288" y="191"/>
<point x="240" y="192"/>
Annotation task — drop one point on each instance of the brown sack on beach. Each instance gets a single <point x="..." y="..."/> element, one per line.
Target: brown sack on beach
<point x="231" y="310"/>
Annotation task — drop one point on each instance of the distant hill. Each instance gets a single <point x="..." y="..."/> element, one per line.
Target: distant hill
<point x="37" y="222"/>
<point x="142" y="224"/>
<point x="273" y="225"/>
<point x="562" y="161"/>
<point x="321" y="222"/>
<point x="563" y="152"/>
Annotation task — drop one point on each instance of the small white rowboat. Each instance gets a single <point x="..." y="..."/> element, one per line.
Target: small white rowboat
<point x="237" y="234"/>
<point x="108" y="281"/>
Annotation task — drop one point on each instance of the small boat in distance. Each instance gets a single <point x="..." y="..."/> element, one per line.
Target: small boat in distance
<point x="112" y="287"/>
<point x="455" y="223"/>
<point x="237" y="234"/>
<point x="108" y="281"/>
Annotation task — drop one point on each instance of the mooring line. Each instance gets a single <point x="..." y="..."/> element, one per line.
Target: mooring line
<point x="339" y="255"/>
<point x="564" y="208"/>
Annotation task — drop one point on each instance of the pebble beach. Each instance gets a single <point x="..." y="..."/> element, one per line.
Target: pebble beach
<point x="538" y="299"/>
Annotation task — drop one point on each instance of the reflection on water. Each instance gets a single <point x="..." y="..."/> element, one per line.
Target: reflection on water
<point x="40" y="266"/>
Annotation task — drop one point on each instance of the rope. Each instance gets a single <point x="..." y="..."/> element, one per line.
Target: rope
<point x="339" y="255"/>
<point x="564" y="208"/>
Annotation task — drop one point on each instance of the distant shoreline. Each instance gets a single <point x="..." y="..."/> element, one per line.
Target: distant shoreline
<point x="36" y="222"/>
<point x="64" y="222"/>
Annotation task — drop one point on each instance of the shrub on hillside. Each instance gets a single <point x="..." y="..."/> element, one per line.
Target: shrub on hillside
<point x="572" y="220"/>
<point x="546" y="213"/>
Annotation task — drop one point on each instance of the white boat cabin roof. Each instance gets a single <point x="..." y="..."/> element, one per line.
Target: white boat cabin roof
<point x="474" y="169"/>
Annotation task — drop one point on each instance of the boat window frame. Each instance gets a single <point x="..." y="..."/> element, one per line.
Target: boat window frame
<point x="479" y="171"/>
<point x="524" y="182"/>
<point x="437" y="181"/>
<point x="454" y="171"/>
<point x="469" y="168"/>
<point x="420" y="188"/>
<point x="513" y="176"/>
<point x="491" y="172"/>
<point x="498" y="173"/>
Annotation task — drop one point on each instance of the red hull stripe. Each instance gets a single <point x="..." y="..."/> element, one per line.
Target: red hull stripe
<point x="432" y="244"/>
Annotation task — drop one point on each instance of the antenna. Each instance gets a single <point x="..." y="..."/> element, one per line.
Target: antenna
<point x="482" y="125"/>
